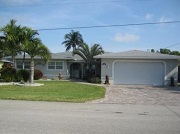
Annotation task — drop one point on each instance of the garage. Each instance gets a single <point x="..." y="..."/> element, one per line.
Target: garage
<point x="139" y="72"/>
<point x="139" y="67"/>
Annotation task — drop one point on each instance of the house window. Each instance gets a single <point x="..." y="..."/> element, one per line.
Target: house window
<point x="55" y="65"/>
<point x="59" y="65"/>
<point x="51" y="65"/>
<point x="20" y="65"/>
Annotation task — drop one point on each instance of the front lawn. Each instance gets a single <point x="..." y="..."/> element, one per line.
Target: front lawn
<point x="63" y="91"/>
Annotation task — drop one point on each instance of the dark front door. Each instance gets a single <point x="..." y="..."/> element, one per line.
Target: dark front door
<point x="75" y="70"/>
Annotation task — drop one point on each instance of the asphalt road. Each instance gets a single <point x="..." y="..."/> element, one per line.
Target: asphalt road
<point x="28" y="117"/>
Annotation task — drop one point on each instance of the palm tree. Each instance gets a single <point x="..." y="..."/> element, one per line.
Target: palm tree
<point x="72" y="39"/>
<point x="87" y="53"/>
<point x="12" y="40"/>
<point x="27" y="36"/>
<point x="34" y="47"/>
<point x="1" y="47"/>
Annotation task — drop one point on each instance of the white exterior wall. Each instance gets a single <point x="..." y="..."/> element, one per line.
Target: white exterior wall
<point x="50" y="73"/>
<point x="53" y="73"/>
<point x="171" y="69"/>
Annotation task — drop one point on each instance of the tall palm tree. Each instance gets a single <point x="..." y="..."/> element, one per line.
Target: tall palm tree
<point x="34" y="47"/>
<point x="87" y="53"/>
<point x="27" y="36"/>
<point x="12" y="40"/>
<point x="1" y="47"/>
<point x="72" y="39"/>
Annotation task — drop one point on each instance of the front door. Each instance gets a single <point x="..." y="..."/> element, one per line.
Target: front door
<point x="75" y="70"/>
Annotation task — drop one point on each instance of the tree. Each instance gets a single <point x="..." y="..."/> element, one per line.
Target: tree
<point x="152" y="50"/>
<point x="1" y="47"/>
<point x="165" y="51"/>
<point x="87" y="53"/>
<point x="34" y="47"/>
<point x="27" y="36"/>
<point x="12" y="39"/>
<point x="175" y="53"/>
<point x="72" y="39"/>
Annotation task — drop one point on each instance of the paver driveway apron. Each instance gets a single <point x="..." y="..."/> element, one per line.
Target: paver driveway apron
<point x="141" y="94"/>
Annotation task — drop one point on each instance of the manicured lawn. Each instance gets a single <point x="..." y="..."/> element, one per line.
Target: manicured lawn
<point x="53" y="91"/>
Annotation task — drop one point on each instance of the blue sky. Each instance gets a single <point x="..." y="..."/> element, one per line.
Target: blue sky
<point x="106" y="12"/>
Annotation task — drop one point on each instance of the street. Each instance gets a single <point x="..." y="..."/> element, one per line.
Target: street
<point x="28" y="117"/>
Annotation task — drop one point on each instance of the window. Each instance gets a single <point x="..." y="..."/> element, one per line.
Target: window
<point x="55" y="65"/>
<point x="20" y="65"/>
<point x="51" y="65"/>
<point x="59" y="65"/>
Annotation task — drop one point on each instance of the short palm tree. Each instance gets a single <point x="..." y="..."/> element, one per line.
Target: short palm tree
<point x="12" y="40"/>
<point x="87" y="53"/>
<point x="72" y="39"/>
<point x="34" y="47"/>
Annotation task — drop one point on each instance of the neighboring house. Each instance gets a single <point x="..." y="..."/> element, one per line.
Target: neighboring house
<point x="139" y="67"/>
<point x="69" y="66"/>
<point x="4" y="61"/>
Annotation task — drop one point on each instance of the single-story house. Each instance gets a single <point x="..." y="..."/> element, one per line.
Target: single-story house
<point x="4" y="61"/>
<point x="130" y="67"/>
<point x="70" y="66"/>
<point x="139" y="67"/>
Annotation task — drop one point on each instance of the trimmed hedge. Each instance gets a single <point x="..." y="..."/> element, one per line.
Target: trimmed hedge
<point x="23" y="75"/>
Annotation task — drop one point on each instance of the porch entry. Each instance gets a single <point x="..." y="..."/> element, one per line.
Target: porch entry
<point x="75" y="71"/>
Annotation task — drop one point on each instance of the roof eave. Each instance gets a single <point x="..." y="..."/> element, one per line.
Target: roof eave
<point x="145" y="58"/>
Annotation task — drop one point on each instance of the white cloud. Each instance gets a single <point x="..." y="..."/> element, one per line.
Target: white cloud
<point x="164" y="19"/>
<point x="149" y="16"/>
<point x="119" y="37"/>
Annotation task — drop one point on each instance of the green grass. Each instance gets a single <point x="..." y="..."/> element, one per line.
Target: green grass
<point x="62" y="91"/>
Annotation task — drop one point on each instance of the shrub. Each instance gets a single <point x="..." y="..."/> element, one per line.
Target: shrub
<point x="37" y="74"/>
<point x="8" y="73"/>
<point x="22" y="75"/>
<point x="96" y="80"/>
<point x="1" y="78"/>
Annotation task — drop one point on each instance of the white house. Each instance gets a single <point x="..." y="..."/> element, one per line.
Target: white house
<point x="139" y="67"/>
<point x="130" y="67"/>
<point x="70" y="66"/>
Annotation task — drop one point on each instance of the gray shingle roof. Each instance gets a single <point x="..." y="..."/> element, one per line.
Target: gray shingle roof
<point x="7" y="61"/>
<point x="61" y="56"/>
<point x="136" y="54"/>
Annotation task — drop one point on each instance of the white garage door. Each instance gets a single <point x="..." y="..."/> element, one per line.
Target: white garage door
<point x="149" y="73"/>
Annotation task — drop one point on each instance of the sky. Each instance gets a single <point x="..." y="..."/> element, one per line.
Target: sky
<point x="46" y="14"/>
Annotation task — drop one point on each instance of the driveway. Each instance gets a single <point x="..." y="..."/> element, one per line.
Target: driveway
<point x="141" y="94"/>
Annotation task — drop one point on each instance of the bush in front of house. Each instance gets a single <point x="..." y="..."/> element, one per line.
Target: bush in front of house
<point x="37" y="74"/>
<point x="22" y="75"/>
<point x="95" y="80"/>
<point x="1" y="79"/>
<point x="8" y="73"/>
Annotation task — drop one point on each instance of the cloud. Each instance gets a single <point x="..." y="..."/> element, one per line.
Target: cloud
<point x="127" y="38"/>
<point x="149" y="16"/>
<point x="164" y="19"/>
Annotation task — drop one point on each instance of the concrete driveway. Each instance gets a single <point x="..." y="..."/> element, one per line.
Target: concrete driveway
<point x="141" y="94"/>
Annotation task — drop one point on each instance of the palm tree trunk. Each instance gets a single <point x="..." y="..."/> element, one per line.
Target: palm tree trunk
<point x="13" y="60"/>
<point x="32" y="70"/>
<point x="23" y="60"/>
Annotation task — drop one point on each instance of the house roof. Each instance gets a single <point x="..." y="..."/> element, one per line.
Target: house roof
<point x="6" y="61"/>
<point x="137" y="54"/>
<point x="61" y="56"/>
